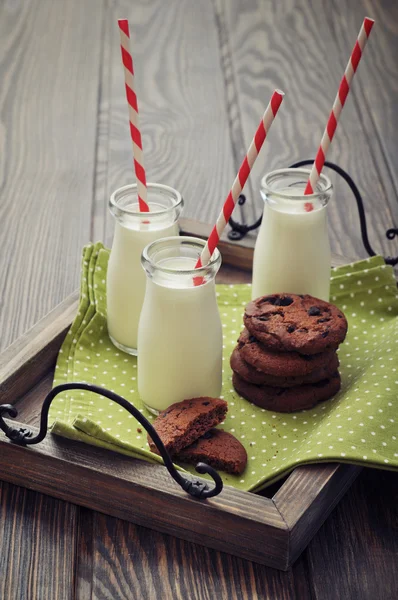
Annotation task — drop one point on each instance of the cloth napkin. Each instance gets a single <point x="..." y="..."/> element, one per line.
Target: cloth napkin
<point x="356" y="426"/>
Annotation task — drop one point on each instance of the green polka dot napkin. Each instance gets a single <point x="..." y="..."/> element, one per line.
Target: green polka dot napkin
<point x="357" y="426"/>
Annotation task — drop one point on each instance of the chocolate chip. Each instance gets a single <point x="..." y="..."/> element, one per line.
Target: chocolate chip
<point x="325" y="334"/>
<point x="340" y="316"/>
<point x="283" y="301"/>
<point x="205" y="403"/>
<point x="252" y="339"/>
<point x="264" y="318"/>
<point x="291" y="328"/>
<point x="324" y="320"/>
<point x="314" y="311"/>
<point x="277" y="300"/>
<point x="207" y="435"/>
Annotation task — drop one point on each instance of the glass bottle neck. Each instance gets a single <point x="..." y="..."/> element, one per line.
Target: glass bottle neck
<point x="171" y="262"/>
<point x="284" y="191"/>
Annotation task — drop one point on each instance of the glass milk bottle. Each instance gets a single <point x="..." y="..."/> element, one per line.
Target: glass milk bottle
<point x="125" y="286"/>
<point x="292" y="252"/>
<point x="180" y="334"/>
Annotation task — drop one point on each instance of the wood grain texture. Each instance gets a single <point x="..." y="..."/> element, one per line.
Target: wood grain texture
<point x="377" y="97"/>
<point x="131" y="562"/>
<point x="38" y="546"/>
<point x="182" y="102"/>
<point x="50" y="53"/>
<point x="292" y="45"/>
<point x="354" y="555"/>
<point x="84" y="565"/>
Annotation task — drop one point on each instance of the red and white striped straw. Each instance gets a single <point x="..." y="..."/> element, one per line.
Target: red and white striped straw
<point x="241" y="178"/>
<point x="133" y="114"/>
<point x="338" y="104"/>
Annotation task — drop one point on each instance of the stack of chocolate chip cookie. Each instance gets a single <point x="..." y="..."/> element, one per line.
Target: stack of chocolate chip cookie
<point x="286" y="357"/>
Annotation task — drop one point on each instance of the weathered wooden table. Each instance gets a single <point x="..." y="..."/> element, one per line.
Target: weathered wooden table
<point x="204" y="72"/>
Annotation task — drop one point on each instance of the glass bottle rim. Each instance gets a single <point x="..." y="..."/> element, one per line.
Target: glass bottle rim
<point x="172" y="193"/>
<point x="266" y="185"/>
<point x="215" y="260"/>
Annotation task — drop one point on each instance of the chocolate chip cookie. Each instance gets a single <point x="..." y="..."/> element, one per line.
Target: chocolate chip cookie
<point x="281" y="364"/>
<point x="253" y="375"/>
<point x="184" y="422"/>
<point x="287" y="399"/>
<point x="218" y="449"/>
<point x="292" y="323"/>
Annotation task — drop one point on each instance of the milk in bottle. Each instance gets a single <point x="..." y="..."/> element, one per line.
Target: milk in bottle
<point x="292" y="252"/>
<point x="133" y="231"/>
<point x="180" y="333"/>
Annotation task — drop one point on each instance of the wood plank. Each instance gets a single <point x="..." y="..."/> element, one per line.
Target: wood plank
<point x="38" y="543"/>
<point x="244" y="524"/>
<point x="293" y="47"/>
<point x="133" y="562"/>
<point x="377" y="86"/>
<point x="180" y="87"/>
<point x="354" y="554"/>
<point x="48" y="99"/>
<point x="85" y="555"/>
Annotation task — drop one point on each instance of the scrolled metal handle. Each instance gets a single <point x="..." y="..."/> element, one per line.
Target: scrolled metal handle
<point x="24" y="437"/>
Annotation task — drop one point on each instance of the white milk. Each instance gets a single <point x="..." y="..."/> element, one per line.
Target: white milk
<point x="179" y="338"/>
<point x="126" y="279"/>
<point x="292" y="252"/>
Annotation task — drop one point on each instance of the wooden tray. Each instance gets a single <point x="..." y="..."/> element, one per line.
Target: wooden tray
<point x="271" y="529"/>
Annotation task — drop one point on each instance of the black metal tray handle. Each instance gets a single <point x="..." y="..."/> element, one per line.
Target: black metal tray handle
<point x="24" y="436"/>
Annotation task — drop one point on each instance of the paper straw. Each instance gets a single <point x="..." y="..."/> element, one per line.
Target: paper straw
<point x="133" y="114"/>
<point x="241" y="178"/>
<point x="338" y="104"/>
